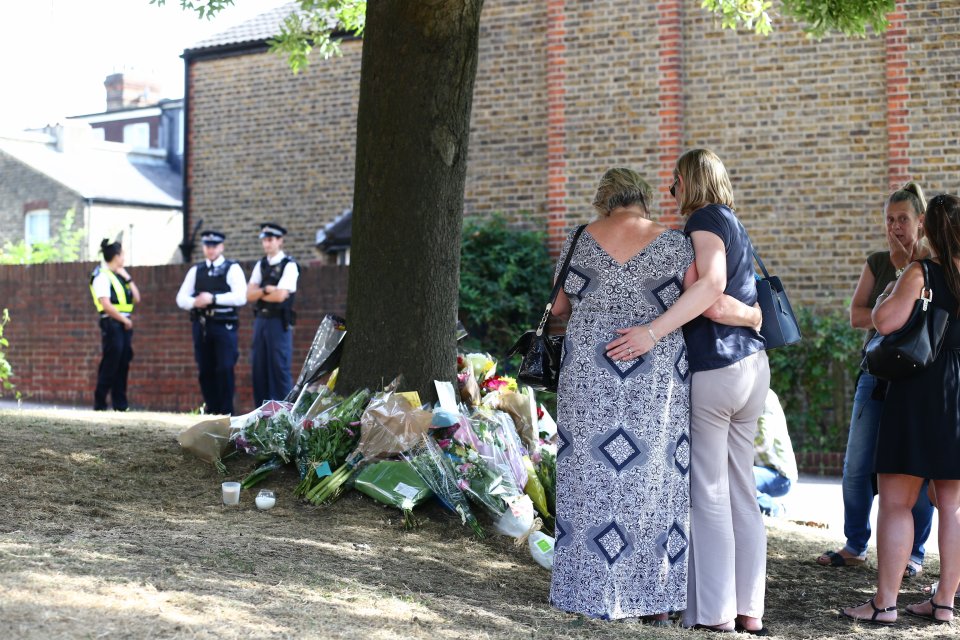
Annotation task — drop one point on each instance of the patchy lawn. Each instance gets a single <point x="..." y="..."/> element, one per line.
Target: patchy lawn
<point x="108" y="531"/>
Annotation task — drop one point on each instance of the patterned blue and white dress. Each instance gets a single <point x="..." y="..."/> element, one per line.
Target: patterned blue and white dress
<point x="623" y="450"/>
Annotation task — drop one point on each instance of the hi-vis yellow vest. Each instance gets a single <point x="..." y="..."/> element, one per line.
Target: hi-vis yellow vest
<point x="121" y="296"/>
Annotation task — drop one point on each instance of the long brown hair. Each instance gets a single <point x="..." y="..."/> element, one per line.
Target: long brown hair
<point x="942" y="228"/>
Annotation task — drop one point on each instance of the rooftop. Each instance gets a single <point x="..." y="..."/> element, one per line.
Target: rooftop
<point x="255" y="30"/>
<point x="104" y="171"/>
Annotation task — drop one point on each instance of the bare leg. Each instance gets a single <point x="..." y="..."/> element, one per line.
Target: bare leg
<point x="948" y="502"/>
<point x="898" y="493"/>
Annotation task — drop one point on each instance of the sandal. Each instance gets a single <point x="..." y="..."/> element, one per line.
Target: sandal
<point x="762" y="631"/>
<point x="873" y="619"/>
<point x="913" y="569"/>
<point x="932" y="616"/>
<point x="836" y="559"/>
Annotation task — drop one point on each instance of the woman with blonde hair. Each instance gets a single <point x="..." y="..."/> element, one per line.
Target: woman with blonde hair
<point x="903" y="217"/>
<point x="919" y="435"/>
<point x="729" y="385"/>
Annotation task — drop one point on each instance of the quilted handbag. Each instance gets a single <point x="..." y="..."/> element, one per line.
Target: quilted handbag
<point x="914" y="346"/>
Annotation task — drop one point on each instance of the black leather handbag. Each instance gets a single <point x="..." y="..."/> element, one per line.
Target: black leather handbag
<point x="914" y="346"/>
<point x="780" y="327"/>
<point x="542" y="353"/>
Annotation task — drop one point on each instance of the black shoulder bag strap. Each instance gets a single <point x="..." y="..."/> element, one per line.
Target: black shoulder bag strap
<point x="561" y="277"/>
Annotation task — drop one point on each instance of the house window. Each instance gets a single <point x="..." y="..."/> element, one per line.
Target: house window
<point x="36" y="227"/>
<point x="137" y="134"/>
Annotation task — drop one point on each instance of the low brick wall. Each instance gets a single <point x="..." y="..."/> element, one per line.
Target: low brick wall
<point x="55" y="338"/>
<point x="825" y="463"/>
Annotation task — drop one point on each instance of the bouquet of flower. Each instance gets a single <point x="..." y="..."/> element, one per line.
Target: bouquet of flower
<point x="394" y="483"/>
<point x="437" y="472"/>
<point x="270" y="435"/>
<point x="329" y="432"/>
<point x="485" y="462"/>
<point x="389" y="426"/>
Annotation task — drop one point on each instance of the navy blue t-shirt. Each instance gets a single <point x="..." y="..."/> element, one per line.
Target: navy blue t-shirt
<point x="711" y="345"/>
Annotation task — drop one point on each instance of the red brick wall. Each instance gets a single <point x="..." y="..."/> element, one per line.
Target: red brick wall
<point x="55" y="339"/>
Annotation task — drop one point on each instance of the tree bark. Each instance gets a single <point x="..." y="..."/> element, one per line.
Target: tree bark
<point x="413" y="125"/>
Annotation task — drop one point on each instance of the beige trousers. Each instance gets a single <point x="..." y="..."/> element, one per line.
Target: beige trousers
<point x="728" y="545"/>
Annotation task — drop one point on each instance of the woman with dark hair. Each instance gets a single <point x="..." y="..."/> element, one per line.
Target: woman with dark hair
<point x="919" y="433"/>
<point x="903" y="218"/>
<point x="114" y="295"/>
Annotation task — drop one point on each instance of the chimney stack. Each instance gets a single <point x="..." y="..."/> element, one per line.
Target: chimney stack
<point x="124" y="91"/>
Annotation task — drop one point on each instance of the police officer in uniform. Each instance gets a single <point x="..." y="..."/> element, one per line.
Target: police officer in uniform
<point x="272" y="288"/>
<point x="114" y="295"/>
<point x="211" y="291"/>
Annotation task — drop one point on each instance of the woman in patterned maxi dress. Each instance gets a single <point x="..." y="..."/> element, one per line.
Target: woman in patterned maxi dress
<point x="623" y="453"/>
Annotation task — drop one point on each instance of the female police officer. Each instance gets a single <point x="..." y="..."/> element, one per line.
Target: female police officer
<point x="114" y="295"/>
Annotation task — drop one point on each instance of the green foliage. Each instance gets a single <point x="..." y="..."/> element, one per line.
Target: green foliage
<point x="6" y="371"/>
<point x="505" y="280"/>
<point x="304" y="31"/>
<point x="65" y="246"/>
<point x="816" y="379"/>
<point x="819" y="17"/>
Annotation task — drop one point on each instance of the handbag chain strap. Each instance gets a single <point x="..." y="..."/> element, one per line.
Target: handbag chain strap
<point x="561" y="277"/>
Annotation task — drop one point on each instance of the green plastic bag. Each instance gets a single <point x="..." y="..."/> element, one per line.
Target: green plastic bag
<point x="394" y="483"/>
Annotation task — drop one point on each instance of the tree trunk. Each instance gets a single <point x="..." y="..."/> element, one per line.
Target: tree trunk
<point x="416" y="89"/>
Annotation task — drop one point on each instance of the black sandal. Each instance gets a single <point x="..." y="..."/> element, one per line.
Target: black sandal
<point x="836" y="559"/>
<point x="932" y="616"/>
<point x="876" y="611"/>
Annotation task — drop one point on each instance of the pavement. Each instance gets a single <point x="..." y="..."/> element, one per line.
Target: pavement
<point x="816" y="499"/>
<point x="820" y="499"/>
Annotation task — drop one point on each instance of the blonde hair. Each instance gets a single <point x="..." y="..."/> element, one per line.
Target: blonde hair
<point x="912" y="193"/>
<point x="621" y="187"/>
<point x="705" y="180"/>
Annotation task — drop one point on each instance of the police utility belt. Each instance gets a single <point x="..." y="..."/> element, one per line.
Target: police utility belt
<point x="213" y="314"/>
<point x="288" y="314"/>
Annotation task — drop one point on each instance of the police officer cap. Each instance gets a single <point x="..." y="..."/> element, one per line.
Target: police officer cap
<point x="272" y="230"/>
<point x="212" y="237"/>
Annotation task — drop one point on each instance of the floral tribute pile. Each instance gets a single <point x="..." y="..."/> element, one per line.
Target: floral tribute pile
<point x="486" y="452"/>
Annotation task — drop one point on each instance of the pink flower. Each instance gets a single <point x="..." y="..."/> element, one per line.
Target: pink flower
<point x="535" y="457"/>
<point x="349" y="431"/>
<point x="463" y="484"/>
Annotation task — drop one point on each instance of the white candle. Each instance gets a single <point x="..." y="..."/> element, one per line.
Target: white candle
<point x="265" y="502"/>
<point x="231" y="492"/>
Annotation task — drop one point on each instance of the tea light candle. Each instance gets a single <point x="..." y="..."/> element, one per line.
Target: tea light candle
<point x="231" y="493"/>
<point x="265" y="499"/>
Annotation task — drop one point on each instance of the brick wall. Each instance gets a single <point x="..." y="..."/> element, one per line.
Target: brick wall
<point x="22" y="185"/>
<point x="812" y="132"/>
<point x="268" y="145"/>
<point x="55" y="340"/>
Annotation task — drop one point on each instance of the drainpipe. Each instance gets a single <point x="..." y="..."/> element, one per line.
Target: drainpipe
<point x="187" y="245"/>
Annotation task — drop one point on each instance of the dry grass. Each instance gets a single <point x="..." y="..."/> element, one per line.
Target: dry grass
<point x="107" y="531"/>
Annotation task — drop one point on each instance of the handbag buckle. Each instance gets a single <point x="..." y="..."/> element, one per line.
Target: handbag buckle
<point x="927" y="296"/>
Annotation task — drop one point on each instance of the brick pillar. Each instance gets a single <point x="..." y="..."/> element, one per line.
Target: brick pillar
<point x="670" y="99"/>
<point x="898" y="129"/>
<point x="556" y="126"/>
